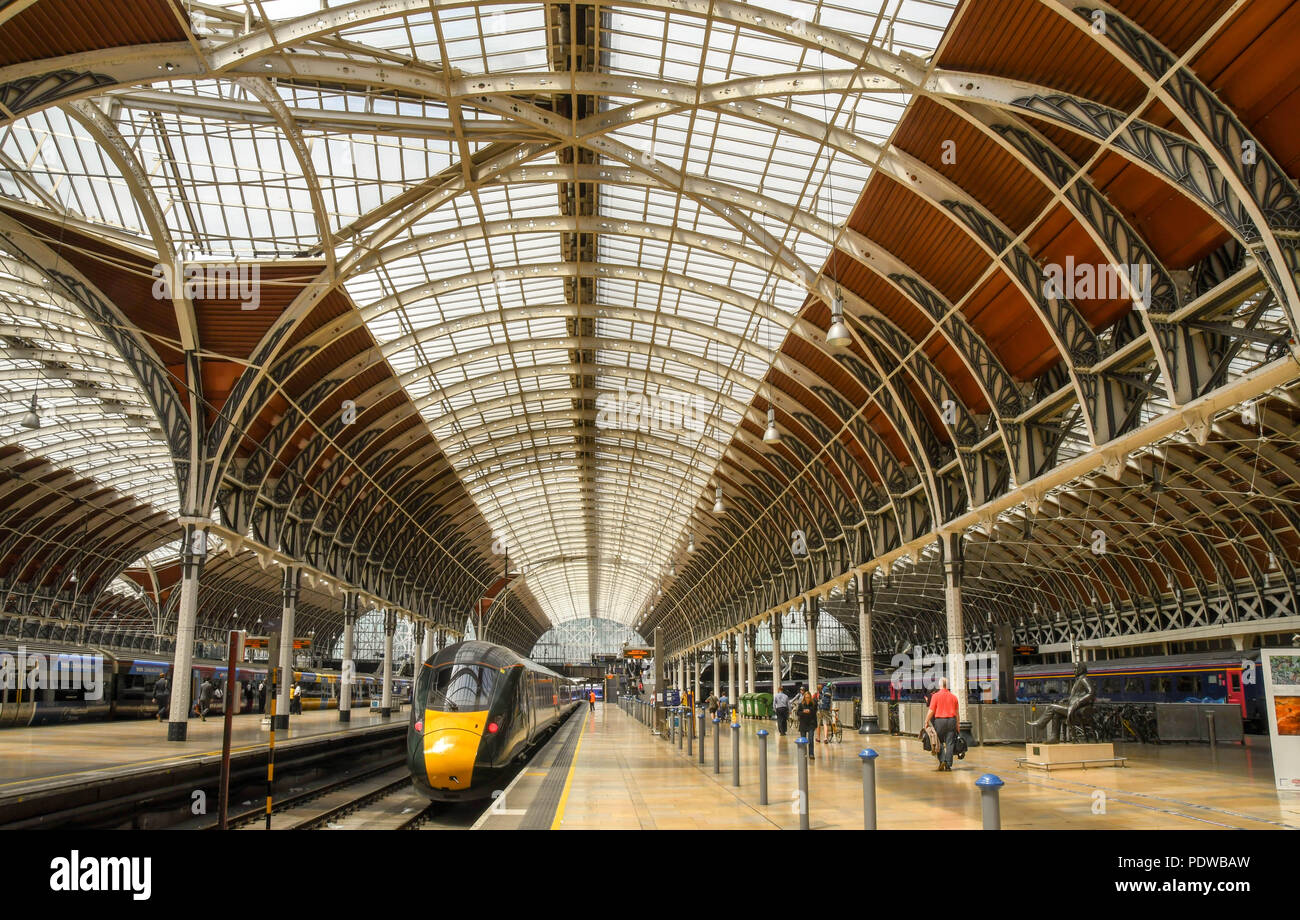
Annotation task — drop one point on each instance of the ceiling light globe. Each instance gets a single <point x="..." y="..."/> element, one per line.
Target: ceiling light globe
<point x="772" y="435"/>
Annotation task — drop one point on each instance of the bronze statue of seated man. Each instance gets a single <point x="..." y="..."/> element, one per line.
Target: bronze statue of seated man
<point x="1061" y="719"/>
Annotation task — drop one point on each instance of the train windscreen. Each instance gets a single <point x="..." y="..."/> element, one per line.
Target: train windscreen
<point x="456" y="688"/>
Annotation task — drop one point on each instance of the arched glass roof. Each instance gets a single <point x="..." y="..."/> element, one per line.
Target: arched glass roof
<point x="94" y="419"/>
<point x="602" y="225"/>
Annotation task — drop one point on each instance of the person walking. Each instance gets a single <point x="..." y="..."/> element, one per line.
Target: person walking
<point x="943" y="713"/>
<point x="206" y="689"/>
<point x="712" y="704"/>
<point x="261" y="696"/>
<point x="295" y="700"/>
<point x="591" y="700"/>
<point x="781" y="705"/>
<point x="825" y="700"/>
<point x="724" y="710"/>
<point x="162" y="695"/>
<point x="807" y="713"/>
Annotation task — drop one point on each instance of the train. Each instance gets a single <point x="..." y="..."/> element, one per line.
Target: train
<point x="1200" y="677"/>
<point x="477" y="708"/>
<point x="89" y="684"/>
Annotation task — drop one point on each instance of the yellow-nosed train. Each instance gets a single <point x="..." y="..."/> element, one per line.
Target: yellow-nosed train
<point x="476" y="708"/>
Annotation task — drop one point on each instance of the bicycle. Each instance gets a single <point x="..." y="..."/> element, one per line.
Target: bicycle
<point x="836" y="733"/>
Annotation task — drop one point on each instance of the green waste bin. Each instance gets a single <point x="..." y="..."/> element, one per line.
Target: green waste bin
<point x="746" y="705"/>
<point x="762" y="705"/>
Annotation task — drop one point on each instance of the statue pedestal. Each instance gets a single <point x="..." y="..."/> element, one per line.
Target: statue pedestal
<point x="1039" y="756"/>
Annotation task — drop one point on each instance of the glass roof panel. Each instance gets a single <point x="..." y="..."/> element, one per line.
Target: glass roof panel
<point x="510" y="329"/>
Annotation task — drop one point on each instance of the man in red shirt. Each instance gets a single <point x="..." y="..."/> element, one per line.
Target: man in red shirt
<point x="943" y="713"/>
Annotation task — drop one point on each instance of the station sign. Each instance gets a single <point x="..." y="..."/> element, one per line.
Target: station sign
<point x="1025" y="650"/>
<point x="637" y="653"/>
<point x="261" y="642"/>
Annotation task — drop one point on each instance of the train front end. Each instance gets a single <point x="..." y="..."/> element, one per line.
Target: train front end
<point x="456" y="734"/>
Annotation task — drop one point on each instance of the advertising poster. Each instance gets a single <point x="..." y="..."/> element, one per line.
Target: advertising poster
<point x="1282" y="699"/>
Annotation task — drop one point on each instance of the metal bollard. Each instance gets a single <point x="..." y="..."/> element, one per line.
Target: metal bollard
<point x="717" y="767"/>
<point x="989" y="787"/>
<point x="690" y="734"/>
<point x="868" y="789"/>
<point x="1213" y="734"/>
<point x="762" y="766"/>
<point x="681" y="729"/>
<point x="735" y="753"/>
<point x="803" y="784"/>
<point x="703" y="731"/>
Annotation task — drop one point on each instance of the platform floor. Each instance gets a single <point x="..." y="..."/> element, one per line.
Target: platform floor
<point x="45" y="755"/>
<point x="624" y="777"/>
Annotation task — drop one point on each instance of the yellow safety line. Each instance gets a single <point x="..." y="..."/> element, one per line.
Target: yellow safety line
<point x="568" y="780"/>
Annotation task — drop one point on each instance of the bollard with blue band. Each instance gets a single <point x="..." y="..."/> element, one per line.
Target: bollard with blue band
<point x="735" y="753"/>
<point x="990" y="787"/>
<point x="762" y="766"/>
<point x="717" y="764"/>
<point x="803" y="783"/>
<point x="868" y="788"/>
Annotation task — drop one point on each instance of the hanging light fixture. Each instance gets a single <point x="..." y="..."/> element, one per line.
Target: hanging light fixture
<point x="718" y="507"/>
<point x="838" y="334"/>
<point x="32" y="418"/>
<point x="690" y="543"/>
<point x="771" y="435"/>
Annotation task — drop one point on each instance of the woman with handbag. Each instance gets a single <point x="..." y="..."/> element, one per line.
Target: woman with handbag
<point x="807" y="713"/>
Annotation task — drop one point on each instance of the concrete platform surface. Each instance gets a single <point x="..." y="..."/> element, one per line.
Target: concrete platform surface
<point x="53" y="754"/>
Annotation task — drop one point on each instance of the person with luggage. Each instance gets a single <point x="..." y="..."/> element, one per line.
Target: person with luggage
<point x="943" y="714"/>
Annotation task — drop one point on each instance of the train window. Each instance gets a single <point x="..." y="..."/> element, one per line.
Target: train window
<point x="456" y="687"/>
<point x="1110" y="685"/>
<point x="1186" y="684"/>
<point x="1135" y="685"/>
<point x="1166" y="685"/>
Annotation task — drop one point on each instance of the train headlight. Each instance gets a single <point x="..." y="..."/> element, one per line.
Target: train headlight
<point x="419" y="726"/>
<point x="492" y="728"/>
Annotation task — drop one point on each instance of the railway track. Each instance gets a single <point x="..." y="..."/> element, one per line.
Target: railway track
<point x="377" y="799"/>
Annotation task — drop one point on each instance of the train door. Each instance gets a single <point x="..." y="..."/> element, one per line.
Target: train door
<point x="1235" y="691"/>
<point x="17" y="702"/>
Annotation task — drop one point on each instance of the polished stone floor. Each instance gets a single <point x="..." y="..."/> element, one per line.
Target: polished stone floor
<point x="625" y="777"/>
